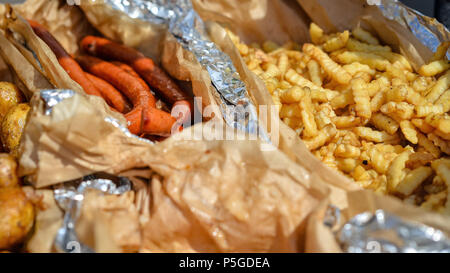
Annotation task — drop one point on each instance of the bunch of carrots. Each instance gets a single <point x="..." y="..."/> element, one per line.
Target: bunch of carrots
<point x="122" y="75"/>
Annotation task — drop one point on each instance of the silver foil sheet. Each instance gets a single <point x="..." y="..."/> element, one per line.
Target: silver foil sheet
<point x="188" y="28"/>
<point x="383" y="232"/>
<point x="427" y="30"/>
<point x="70" y="195"/>
<point x="52" y="97"/>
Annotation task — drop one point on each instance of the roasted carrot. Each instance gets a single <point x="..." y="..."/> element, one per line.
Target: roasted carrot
<point x="112" y="96"/>
<point x="144" y="66"/>
<point x="65" y="60"/>
<point x="144" y="118"/>
<point x="129" y="70"/>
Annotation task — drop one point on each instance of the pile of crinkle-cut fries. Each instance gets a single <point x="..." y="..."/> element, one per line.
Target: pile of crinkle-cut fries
<point x="362" y="109"/>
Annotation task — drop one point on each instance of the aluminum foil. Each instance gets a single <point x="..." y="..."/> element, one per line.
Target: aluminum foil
<point x="187" y="27"/>
<point x="427" y="30"/>
<point x="52" y="97"/>
<point x="383" y="232"/>
<point x="70" y="195"/>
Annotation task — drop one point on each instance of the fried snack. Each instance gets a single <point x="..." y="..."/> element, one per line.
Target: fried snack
<point x="12" y="128"/>
<point x="361" y="109"/>
<point x="16" y="216"/>
<point x="8" y="175"/>
<point x="10" y="96"/>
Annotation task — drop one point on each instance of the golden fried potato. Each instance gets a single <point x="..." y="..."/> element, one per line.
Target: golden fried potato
<point x="12" y="128"/>
<point x="10" y="96"/>
<point x="16" y="216"/>
<point x="8" y="174"/>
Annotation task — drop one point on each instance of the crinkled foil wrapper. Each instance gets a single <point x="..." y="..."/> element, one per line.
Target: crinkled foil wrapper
<point x="426" y="29"/>
<point x="187" y="27"/>
<point x="70" y="195"/>
<point x="383" y="232"/>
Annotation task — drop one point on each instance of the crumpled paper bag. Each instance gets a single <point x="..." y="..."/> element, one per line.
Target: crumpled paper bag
<point x="203" y="194"/>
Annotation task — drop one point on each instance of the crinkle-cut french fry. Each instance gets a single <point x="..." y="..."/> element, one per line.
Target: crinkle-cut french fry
<point x="397" y="93"/>
<point x="322" y="118"/>
<point x="323" y="137"/>
<point x="284" y="85"/>
<point x="425" y="110"/>
<point x="356" y="67"/>
<point x="442" y="123"/>
<point x="307" y="114"/>
<point x="398" y="110"/>
<point x="421" y="85"/>
<point x="442" y="169"/>
<point x="377" y="101"/>
<point x="439" y="142"/>
<point x="433" y="201"/>
<point x="422" y="125"/>
<point x="419" y="159"/>
<point x="290" y="111"/>
<point x="348" y="137"/>
<point x="434" y="68"/>
<point x="377" y="160"/>
<point x="396" y="59"/>
<point x="371" y="59"/>
<point x="444" y="100"/>
<point x="361" y="98"/>
<point x="342" y="100"/>
<point x="355" y="45"/>
<point x="347" y="150"/>
<point x="330" y="161"/>
<point x="243" y="49"/>
<point x="253" y="64"/>
<point x="276" y="101"/>
<point x="429" y="146"/>
<point x="296" y="79"/>
<point x="342" y="122"/>
<point x="334" y="70"/>
<point x="396" y="170"/>
<point x="337" y="42"/>
<point x="293" y="122"/>
<point x="441" y="51"/>
<point x="347" y="165"/>
<point x="442" y="135"/>
<point x="314" y="72"/>
<point x="372" y="135"/>
<point x="439" y="87"/>
<point x="316" y="34"/>
<point x="410" y="76"/>
<point x="328" y="149"/>
<point x="363" y="75"/>
<point x="271" y="71"/>
<point x="360" y="174"/>
<point x="270" y="46"/>
<point x="365" y="36"/>
<point x="437" y="185"/>
<point x="317" y="95"/>
<point x="283" y="64"/>
<point x="414" y="98"/>
<point x="292" y="95"/>
<point x="384" y="123"/>
<point x="413" y="180"/>
<point x="409" y="131"/>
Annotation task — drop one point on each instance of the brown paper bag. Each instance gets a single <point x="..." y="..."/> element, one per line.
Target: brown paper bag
<point x="204" y="195"/>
